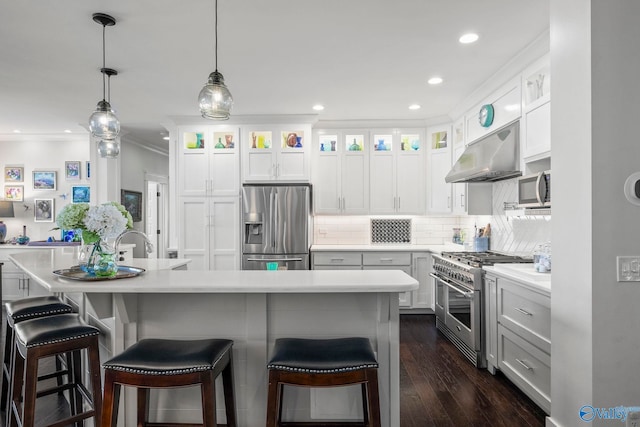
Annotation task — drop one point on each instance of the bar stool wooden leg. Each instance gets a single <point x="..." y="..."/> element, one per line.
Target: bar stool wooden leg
<point x="143" y="405"/>
<point x="111" y="399"/>
<point x="229" y="394"/>
<point x="373" y="397"/>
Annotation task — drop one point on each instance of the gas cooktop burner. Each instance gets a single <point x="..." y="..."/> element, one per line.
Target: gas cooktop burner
<point x="479" y="259"/>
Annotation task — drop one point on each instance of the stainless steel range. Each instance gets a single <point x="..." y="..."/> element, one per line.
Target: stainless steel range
<point x="459" y="280"/>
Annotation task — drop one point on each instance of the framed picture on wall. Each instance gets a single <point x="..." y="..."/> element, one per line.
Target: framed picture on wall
<point x="80" y="194"/>
<point x="44" y="180"/>
<point x="43" y="210"/>
<point x="132" y="202"/>
<point x="72" y="171"/>
<point x="15" y="193"/>
<point x="13" y="173"/>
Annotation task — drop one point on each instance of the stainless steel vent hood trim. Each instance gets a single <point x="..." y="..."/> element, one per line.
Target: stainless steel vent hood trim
<point x="491" y="158"/>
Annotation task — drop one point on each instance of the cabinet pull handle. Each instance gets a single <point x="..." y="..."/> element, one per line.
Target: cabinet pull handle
<point x="386" y="259"/>
<point x="344" y="205"/>
<point x="337" y="259"/>
<point x="525" y="312"/>
<point x="524" y="365"/>
<point x="448" y="202"/>
<point x="398" y="202"/>
<point x="462" y="200"/>
<point x="339" y="204"/>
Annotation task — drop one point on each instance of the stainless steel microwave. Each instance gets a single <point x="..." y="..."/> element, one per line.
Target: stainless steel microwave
<point x="534" y="191"/>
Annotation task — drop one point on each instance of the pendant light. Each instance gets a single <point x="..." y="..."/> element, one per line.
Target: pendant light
<point x="109" y="148"/>
<point x="103" y="123"/>
<point x="215" y="99"/>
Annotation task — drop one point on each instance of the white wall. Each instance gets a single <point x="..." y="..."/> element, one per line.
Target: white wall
<point x="41" y="153"/>
<point x="574" y="233"/>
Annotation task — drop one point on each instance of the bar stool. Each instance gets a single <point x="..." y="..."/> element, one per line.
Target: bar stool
<point x="19" y="311"/>
<point x="163" y="363"/>
<point x="44" y="337"/>
<point x="324" y="363"/>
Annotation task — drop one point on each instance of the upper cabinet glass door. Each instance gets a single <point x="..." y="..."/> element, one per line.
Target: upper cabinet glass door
<point x="439" y="140"/>
<point x="292" y="139"/>
<point x="410" y="142"/>
<point x="260" y="140"/>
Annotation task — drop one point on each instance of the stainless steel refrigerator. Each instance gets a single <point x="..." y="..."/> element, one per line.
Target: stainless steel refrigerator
<point x="276" y="226"/>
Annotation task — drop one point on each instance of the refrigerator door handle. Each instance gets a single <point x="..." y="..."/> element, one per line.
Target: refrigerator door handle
<point x="272" y="208"/>
<point x="274" y="259"/>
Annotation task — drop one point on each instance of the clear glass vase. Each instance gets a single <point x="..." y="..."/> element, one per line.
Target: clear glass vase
<point x="102" y="259"/>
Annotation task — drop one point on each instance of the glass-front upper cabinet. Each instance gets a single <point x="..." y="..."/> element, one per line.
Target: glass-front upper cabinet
<point x="275" y="153"/>
<point x="537" y="82"/>
<point x="208" y="162"/>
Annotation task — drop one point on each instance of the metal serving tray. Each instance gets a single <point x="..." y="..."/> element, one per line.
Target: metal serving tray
<point x="77" y="273"/>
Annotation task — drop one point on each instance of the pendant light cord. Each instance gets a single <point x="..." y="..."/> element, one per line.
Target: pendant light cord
<point x="103" y="62"/>
<point x="216" y="27"/>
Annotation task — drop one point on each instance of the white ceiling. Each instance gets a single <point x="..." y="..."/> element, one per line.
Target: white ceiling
<point x="362" y="59"/>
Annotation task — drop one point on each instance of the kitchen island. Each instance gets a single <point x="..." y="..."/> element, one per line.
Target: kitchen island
<point x="253" y="308"/>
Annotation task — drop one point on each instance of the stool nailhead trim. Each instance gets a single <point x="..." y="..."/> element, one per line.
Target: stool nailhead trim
<point x="41" y="313"/>
<point x="60" y="340"/>
<point x="165" y="372"/>
<point x="321" y="371"/>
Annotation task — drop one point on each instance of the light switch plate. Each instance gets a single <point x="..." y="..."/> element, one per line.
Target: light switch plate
<point x="628" y="268"/>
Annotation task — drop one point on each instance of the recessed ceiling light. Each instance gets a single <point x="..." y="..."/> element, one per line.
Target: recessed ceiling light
<point x="414" y="107"/>
<point x="67" y="131"/>
<point x="166" y="138"/>
<point x="435" y="80"/>
<point x="318" y="107"/>
<point x="468" y="38"/>
<point x="16" y="131"/>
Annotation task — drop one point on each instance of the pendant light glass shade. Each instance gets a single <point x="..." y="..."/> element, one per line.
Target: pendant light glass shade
<point x="109" y="148"/>
<point x="215" y="99"/>
<point x="103" y="123"/>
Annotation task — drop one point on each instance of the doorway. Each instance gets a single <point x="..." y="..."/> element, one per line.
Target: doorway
<point x="156" y="221"/>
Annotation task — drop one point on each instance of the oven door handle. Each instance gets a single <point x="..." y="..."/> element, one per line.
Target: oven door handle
<point x="466" y="293"/>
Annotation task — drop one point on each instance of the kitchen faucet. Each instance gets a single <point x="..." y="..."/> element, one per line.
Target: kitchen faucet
<point x="148" y="246"/>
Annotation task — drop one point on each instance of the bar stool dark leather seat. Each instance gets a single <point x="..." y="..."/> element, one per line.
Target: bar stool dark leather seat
<point x="19" y="311"/>
<point x="164" y="363"/>
<point x="44" y="337"/>
<point x="324" y="363"/>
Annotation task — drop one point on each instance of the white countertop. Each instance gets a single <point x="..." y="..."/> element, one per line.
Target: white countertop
<point x="391" y="247"/>
<point x="523" y="273"/>
<point x="159" y="278"/>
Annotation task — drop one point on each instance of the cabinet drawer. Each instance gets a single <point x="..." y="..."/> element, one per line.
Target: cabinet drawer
<point x="527" y="366"/>
<point x="337" y="258"/>
<point x="386" y="258"/>
<point x="525" y="312"/>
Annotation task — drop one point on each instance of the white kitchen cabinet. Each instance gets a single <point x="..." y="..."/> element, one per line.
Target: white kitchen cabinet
<point x="276" y="153"/>
<point x="420" y="268"/>
<point x="397" y="178"/>
<point x="415" y="264"/>
<point x="518" y="335"/>
<point x="536" y="101"/>
<point x="340" y="172"/>
<point x="507" y="106"/>
<point x="208" y="163"/>
<point x="390" y="261"/>
<point x="210" y="232"/>
<point x="439" y="164"/>
<point x="16" y="284"/>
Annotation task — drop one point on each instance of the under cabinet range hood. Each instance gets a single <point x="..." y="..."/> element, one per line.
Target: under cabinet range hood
<point x="491" y="158"/>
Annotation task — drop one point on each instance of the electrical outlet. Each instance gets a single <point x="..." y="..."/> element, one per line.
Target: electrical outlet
<point x="633" y="419"/>
<point x="628" y="269"/>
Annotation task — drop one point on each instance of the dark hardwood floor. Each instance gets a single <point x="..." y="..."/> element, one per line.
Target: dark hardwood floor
<point x="438" y="386"/>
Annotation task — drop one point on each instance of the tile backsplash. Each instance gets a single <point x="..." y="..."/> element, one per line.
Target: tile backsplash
<point x="512" y="234"/>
